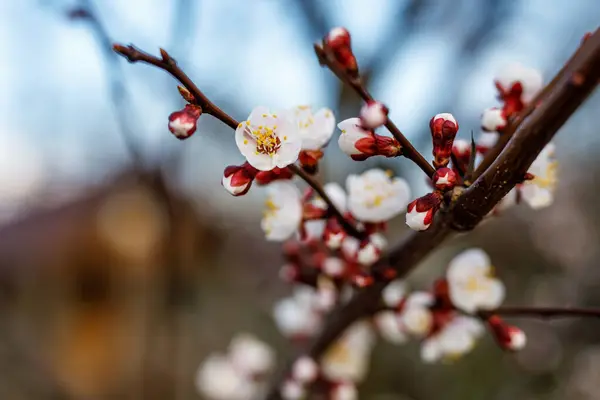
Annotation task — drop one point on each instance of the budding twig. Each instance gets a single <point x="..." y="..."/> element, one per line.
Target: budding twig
<point x="531" y="135"/>
<point x="168" y="63"/>
<point x="408" y="150"/>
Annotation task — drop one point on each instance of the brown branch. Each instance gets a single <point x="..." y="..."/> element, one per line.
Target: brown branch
<point x="542" y="312"/>
<point x="531" y="135"/>
<point x="169" y="64"/>
<point x="408" y="150"/>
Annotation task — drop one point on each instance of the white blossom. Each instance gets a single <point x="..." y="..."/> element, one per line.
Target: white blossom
<point x="472" y="286"/>
<point x="336" y="194"/>
<point x="416" y="317"/>
<point x="268" y="140"/>
<point x="368" y="253"/>
<point x="292" y="390"/>
<point x="315" y="129"/>
<point x="283" y="212"/>
<point x="250" y="355"/>
<point x="352" y="132"/>
<point x="373" y="114"/>
<point x="389" y="327"/>
<point x="345" y="391"/>
<point x="348" y="358"/>
<point x="218" y="379"/>
<point x="456" y="338"/>
<point x="305" y="370"/>
<point x="539" y="192"/>
<point x="530" y="79"/>
<point x="298" y="315"/>
<point x="376" y="197"/>
<point x="393" y="293"/>
<point x="487" y="140"/>
<point x="493" y="120"/>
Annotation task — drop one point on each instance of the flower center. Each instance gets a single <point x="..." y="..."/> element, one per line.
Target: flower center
<point x="548" y="181"/>
<point x="267" y="141"/>
<point x="377" y="194"/>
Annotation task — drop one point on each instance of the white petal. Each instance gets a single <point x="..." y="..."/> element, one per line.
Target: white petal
<point x="389" y="327"/>
<point x="495" y="295"/>
<point x="251" y="355"/>
<point x="287" y="154"/>
<point x="416" y="220"/>
<point x="218" y="379"/>
<point x="470" y="262"/>
<point x="535" y="196"/>
<point x="260" y="115"/>
<point x="394" y="293"/>
<point x="262" y="162"/>
<point x="431" y="351"/>
<point x="337" y="195"/>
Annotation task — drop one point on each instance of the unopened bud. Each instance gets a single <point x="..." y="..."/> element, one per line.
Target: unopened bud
<point x="421" y="211"/>
<point x="373" y="114"/>
<point x="266" y="177"/>
<point x="238" y="179"/>
<point x="443" y="131"/>
<point x="444" y="179"/>
<point x="182" y="124"/>
<point x="337" y="42"/>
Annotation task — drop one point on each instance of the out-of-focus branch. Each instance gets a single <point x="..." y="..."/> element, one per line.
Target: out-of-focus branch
<point x="408" y="150"/>
<point x="114" y="73"/>
<point x="531" y="134"/>
<point x="543" y="312"/>
<point x="169" y="64"/>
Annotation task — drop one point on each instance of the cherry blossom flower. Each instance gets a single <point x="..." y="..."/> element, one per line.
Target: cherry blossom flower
<point x="283" y="212"/>
<point x="182" y="124"/>
<point x="443" y="131"/>
<point x="416" y="316"/>
<point x="471" y="284"/>
<point x="389" y="327"/>
<point x="456" y="338"/>
<point x="344" y="391"/>
<point x="421" y="211"/>
<point x="374" y="196"/>
<point x="250" y="355"/>
<point x="493" y="120"/>
<point x="360" y="143"/>
<point x="373" y="114"/>
<point x="539" y="191"/>
<point x="238" y="179"/>
<point x="297" y="316"/>
<point x="292" y="390"/>
<point x="268" y="140"/>
<point x="305" y="370"/>
<point x="394" y="293"/>
<point x="218" y="379"/>
<point x="348" y="358"/>
<point x="366" y="252"/>
<point x="315" y="129"/>
<point x="327" y="293"/>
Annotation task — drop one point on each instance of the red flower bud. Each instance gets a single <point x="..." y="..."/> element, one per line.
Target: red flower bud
<point x="238" y="179"/>
<point x="266" y="177"/>
<point x="421" y="211"/>
<point x="309" y="159"/>
<point x="445" y="179"/>
<point x="337" y="42"/>
<point x="443" y="131"/>
<point x="508" y="337"/>
<point x="182" y="123"/>
<point x="373" y="114"/>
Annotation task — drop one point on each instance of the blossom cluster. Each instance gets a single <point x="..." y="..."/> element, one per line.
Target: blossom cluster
<point x="326" y="261"/>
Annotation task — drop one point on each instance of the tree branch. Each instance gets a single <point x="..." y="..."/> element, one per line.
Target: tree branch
<point x="542" y="312"/>
<point x="531" y="134"/>
<point x="169" y="64"/>
<point x="408" y="150"/>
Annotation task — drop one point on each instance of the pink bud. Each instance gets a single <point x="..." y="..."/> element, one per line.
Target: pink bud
<point x="443" y="131"/>
<point x="373" y="114"/>
<point x="238" y="179"/>
<point x="421" y="211"/>
<point x="266" y="177"/>
<point x="182" y="124"/>
<point x="444" y="179"/>
<point x="493" y="120"/>
<point x="337" y="42"/>
<point x="508" y="337"/>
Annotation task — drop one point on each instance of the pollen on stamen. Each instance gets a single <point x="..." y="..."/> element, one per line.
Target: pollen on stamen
<point x="264" y="115"/>
<point x="285" y="138"/>
<point x="247" y="123"/>
<point x="240" y="125"/>
<point x="245" y="141"/>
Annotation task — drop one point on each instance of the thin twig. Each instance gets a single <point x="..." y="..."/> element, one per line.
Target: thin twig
<point x="542" y="312"/>
<point x="408" y="150"/>
<point x="169" y="64"/>
<point x="531" y="135"/>
<point x="114" y="74"/>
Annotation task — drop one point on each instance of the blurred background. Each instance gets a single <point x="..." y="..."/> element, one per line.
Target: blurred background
<point x="123" y="262"/>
